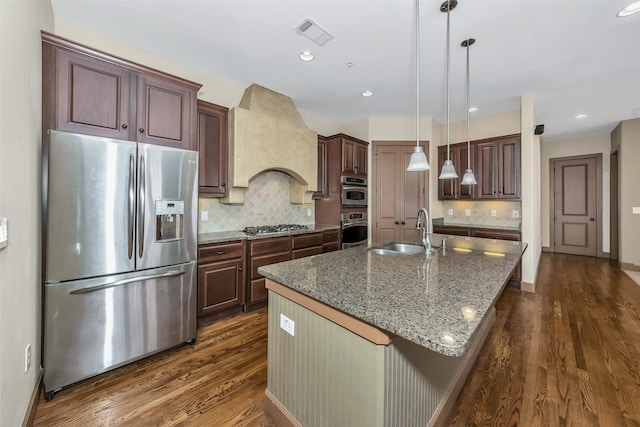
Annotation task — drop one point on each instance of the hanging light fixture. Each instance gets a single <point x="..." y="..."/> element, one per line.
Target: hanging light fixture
<point x="448" y="170"/>
<point x="469" y="178"/>
<point x="418" y="160"/>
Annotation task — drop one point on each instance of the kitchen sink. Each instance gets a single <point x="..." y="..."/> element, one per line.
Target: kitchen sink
<point x="397" y="249"/>
<point x="405" y="248"/>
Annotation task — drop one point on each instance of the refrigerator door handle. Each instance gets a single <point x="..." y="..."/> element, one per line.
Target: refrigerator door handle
<point x="125" y="282"/>
<point x="132" y="200"/>
<point x="141" y="202"/>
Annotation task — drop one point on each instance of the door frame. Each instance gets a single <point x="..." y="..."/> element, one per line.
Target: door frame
<point x="374" y="171"/>
<point x="613" y="207"/>
<point x="552" y="207"/>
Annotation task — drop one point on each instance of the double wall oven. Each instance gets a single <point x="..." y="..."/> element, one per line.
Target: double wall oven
<point x="353" y="214"/>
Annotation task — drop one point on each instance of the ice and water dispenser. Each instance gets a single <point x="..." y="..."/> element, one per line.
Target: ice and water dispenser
<point x="169" y="220"/>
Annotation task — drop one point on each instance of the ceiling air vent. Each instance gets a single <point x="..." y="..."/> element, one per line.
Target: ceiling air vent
<point x="313" y="32"/>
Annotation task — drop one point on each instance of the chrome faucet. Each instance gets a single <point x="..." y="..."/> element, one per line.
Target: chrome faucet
<point x="426" y="238"/>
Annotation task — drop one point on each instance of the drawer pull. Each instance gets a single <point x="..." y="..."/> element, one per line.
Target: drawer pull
<point x="221" y="252"/>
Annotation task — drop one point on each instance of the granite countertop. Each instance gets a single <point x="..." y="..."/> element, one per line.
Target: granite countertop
<point x="420" y="297"/>
<point x="441" y="222"/>
<point x="228" y="236"/>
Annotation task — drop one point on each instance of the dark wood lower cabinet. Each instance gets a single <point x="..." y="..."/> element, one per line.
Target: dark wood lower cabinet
<point x="223" y="286"/>
<point x="330" y="241"/>
<point x="485" y="234"/>
<point x="263" y="252"/>
<point x="221" y="280"/>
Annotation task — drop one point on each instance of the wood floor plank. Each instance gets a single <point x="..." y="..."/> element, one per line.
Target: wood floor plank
<point x="568" y="355"/>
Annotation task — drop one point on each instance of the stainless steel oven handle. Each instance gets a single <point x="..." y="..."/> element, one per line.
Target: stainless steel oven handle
<point x="125" y="282"/>
<point x="354" y="224"/>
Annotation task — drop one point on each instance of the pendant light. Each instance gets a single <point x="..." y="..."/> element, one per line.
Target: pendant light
<point x="418" y="160"/>
<point x="469" y="178"/>
<point x="448" y="170"/>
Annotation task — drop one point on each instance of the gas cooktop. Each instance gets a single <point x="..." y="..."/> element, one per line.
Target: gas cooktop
<point x="266" y="229"/>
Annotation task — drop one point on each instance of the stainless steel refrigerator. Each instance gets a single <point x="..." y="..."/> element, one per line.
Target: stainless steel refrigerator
<point x="120" y="257"/>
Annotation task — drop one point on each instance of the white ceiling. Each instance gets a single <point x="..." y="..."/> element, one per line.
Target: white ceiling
<point x="574" y="56"/>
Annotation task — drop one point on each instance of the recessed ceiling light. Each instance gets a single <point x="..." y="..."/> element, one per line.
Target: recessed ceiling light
<point x="629" y="10"/>
<point x="473" y="109"/>
<point x="306" y="56"/>
<point x="580" y="116"/>
<point x="367" y="93"/>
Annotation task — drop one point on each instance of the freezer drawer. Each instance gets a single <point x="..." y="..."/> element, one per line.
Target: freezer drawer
<point x="94" y="325"/>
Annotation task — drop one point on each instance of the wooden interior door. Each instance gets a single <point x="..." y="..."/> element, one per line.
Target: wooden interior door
<point x="397" y="194"/>
<point x="575" y="206"/>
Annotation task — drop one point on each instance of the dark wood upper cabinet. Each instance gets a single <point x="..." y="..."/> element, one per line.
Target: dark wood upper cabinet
<point x="496" y="163"/>
<point x="166" y="113"/>
<point x="509" y="175"/>
<point x="451" y="189"/>
<point x="93" y="97"/>
<point x="322" y="169"/>
<point x="212" y="146"/>
<point x="487" y="170"/>
<point x="354" y="156"/>
<point x="93" y="93"/>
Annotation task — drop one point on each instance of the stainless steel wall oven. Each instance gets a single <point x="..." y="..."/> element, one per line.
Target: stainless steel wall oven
<point x="355" y="230"/>
<point x="354" y="191"/>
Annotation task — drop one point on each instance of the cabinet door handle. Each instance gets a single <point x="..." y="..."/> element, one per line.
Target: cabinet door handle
<point x="397" y="222"/>
<point x="223" y="184"/>
<point x="239" y="268"/>
<point x="403" y="223"/>
<point x="124" y="126"/>
<point x="141" y="130"/>
<point x="592" y="219"/>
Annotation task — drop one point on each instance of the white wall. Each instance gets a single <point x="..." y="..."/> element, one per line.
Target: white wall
<point x="594" y="144"/>
<point x="626" y="139"/>
<point x="531" y="205"/>
<point x="20" y="142"/>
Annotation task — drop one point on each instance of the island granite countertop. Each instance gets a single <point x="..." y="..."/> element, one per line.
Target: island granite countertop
<point x="436" y="301"/>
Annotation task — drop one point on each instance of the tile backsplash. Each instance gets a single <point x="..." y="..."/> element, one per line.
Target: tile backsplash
<point x="482" y="213"/>
<point x="266" y="202"/>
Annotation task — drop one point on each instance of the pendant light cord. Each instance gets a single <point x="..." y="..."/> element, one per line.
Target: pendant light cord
<point x="468" y="105"/>
<point x="417" y="73"/>
<point x="448" y="65"/>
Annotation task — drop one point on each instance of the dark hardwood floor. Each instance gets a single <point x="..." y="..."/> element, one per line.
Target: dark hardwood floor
<point x="567" y="355"/>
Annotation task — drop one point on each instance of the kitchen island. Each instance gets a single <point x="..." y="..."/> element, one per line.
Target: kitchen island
<point x="362" y="339"/>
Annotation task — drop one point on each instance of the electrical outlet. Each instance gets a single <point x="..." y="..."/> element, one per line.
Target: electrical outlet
<point x="493" y="212"/>
<point x="467" y="212"/>
<point x="309" y="212"/>
<point x="27" y="357"/>
<point x="4" y="232"/>
<point x="516" y="214"/>
<point x="288" y="325"/>
<point x="450" y="212"/>
<point x="204" y="215"/>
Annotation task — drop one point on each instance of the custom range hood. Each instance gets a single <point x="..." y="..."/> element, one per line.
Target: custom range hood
<point x="267" y="133"/>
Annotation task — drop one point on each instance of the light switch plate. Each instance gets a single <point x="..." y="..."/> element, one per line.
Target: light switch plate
<point x="635" y="210"/>
<point x="493" y="212"/>
<point x="450" y="212"/>
<point x="467" y="212"/>
<point x="516" y="214"/>
<point x="4" y="232"/>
